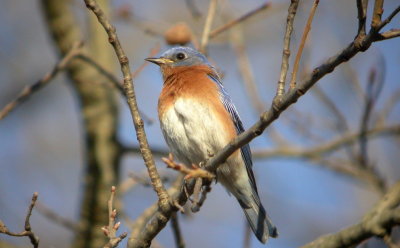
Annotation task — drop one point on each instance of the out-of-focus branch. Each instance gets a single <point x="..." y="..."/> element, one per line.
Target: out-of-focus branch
<point x="393" y="33"/>
<point x="245" y="69"/>
<point x="29" y="90"/>
<point x="242" y="18"/>
<point x="194" y="11"/>
<point x="207" y="26"/>
<point x="131" y="99"/>
<point x="111" y="230"/>
<point x="56" y="218"/>
<point x="331" y="146"/>
<point x="179" y="241"/>
<point x="286" y="49"/>
<point x="307" y="29"/>
<point x="377" y="14"/>
<point x="157" y="152"/>
<point x="28" y="229"/>
<point x="377" y="222"/>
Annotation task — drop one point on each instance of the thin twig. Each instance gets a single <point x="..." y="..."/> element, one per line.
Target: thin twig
<point x="307" y="29"/>
<point x="29" y="90"/>
<point x="362" y="6"/>
<point x="286" y="49"/>
<point x="384" y="216"/>
<point x="207" y="26"/>
<point x="242" y="18"/>
<point x="131" y="99"/>
<point x="111" y="230"/>
<point x="194" y="172"/>
<point x="180" y="243"/>
<point x="28" y="229"/>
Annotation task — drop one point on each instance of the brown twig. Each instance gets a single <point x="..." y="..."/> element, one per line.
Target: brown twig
<point x="180" y="243"/>
<point x="194" y="172"/>
<point x="131" y="99"/>
<point x="307" y="29"/>
<point x="377" y="14"/>
<point x="28" y="229"/>
<point x="383" y="217"/>
<point x="286" y="49"/>
<point x="242" y="18"/>
<point x="207" y="26"/>
<point x="362" y="6"/>
<point x="29" y="90"/>
<point x="111" y="230"/>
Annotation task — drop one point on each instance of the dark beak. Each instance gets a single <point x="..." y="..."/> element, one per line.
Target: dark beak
<point x="159" y="61"/>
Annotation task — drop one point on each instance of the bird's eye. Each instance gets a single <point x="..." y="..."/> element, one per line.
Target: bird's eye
<point x="180" y="56"/>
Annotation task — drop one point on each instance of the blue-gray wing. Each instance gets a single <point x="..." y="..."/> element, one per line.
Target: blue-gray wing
<point x="230" y="107"/>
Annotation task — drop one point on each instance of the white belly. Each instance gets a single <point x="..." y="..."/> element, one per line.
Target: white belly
<point x="192" y="132"/>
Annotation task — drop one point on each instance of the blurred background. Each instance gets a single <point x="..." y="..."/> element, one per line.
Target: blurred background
<point x="46" y="146"/>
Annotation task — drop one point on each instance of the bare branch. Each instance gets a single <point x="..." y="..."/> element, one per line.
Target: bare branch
<point x="29" y="90"/>
<point x="242" y="18"/>
<point x="286" y="48"/>
<point x="194" y="172"/>
<point x="111" y="230"/>
<point x="362" y="6"/>
<point x="131" y="99"/>
<point x="207" y="26"/>
<point x="377" y="14"/>
<point x="307" y="29"/>
<point x="28" y="229"/>
<point x="383" y="217"/>
<point x="180" y="243"/>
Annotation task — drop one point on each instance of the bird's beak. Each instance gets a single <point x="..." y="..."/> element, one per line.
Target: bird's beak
<point x="159" y="61"/>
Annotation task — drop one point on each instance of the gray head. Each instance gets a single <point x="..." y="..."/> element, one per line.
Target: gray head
<point x="180" y="56"/>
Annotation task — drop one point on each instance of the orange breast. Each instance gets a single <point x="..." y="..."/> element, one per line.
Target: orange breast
<point x="194" y="82"/>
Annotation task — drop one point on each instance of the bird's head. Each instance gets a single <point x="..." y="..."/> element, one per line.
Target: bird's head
<point x="179" y="56"/>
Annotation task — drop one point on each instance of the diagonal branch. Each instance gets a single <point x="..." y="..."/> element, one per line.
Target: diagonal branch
<point x="29" y="90"/>
<point x="242" y="18"/>
<point x="378" y="222"/>
<point x="131" y="99"/>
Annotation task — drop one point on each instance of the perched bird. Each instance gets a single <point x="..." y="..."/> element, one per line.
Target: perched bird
<point x="198" y="118"/>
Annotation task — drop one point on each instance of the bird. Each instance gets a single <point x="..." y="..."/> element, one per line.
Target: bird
<point x="198" y="118"/>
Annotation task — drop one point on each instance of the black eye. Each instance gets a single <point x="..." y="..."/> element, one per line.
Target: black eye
<point x="180" y="56"/>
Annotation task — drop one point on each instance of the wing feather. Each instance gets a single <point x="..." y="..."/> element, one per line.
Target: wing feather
<point x="230" y="107"/>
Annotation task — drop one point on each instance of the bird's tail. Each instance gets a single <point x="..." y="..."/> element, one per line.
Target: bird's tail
<point x="258" y="219"/>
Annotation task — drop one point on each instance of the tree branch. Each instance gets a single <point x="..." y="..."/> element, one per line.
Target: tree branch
<point x="377" y="222"/>
<point x="131" y="99"/>
<point x="207" y="26"/>
<point x="242" y="18"/>
<point x="28" y="229"/>
<point x="29" y="90"/>
<point x="286" y="48"/>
